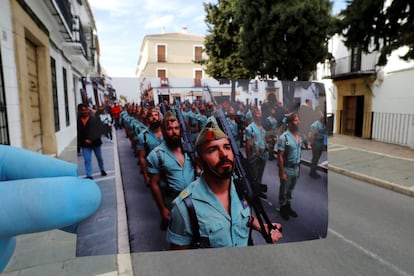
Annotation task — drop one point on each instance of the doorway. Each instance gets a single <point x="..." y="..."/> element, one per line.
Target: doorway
<point x="353" y="115"/>
<point x="36" y="122"/>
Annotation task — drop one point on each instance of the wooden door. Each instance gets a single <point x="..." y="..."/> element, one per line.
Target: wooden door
<point x="36" y="125"/>
<point x="350" y="108"/>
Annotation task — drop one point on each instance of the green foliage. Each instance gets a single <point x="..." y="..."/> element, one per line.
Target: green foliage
<point x="372" y="26"/>
<point x="223" y="42"/>
<point x="123" y="98"/>
<point x="284" y="38"/>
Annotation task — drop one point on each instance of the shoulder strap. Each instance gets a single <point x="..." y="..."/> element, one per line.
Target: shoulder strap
<point x="286" y="152"/>
<point x="160" y="163"/>
<point x="147" y="149"/>
<point x="193" y="221"/>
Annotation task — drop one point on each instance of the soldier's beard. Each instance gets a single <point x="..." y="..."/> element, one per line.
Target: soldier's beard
<point x="226" y="173"/>
<point x="173" y="142"/>
<point x="294" y="128"/>
<point x="155" y="124"/>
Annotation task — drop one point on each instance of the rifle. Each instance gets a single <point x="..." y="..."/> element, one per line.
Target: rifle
<point x="246" y="185"/>
<point x="186" y="142"/>
<point x="163" y="109"/>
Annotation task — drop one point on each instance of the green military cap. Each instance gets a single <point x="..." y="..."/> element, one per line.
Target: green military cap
<point x="210" y="132"/>
<point x="152" y="109"/>
<point x="169" y="117"/>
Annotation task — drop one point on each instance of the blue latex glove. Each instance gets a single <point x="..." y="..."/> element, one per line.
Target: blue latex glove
<point x="40" y="193"/>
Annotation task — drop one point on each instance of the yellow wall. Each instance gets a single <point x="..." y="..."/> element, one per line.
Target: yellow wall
<point x="180" y="55"/>
<point x="24" y="28"/>
<point x="355" y="87"/>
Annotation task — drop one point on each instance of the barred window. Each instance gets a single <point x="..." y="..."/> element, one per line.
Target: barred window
<point x="65" y="91"/>
<point x="4" y="128"/>
<point x="55" y="94"/>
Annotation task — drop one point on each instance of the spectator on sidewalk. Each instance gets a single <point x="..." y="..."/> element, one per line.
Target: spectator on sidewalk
<point x="116" y="114"/>
<point x="106" y="120"/>
<point x="170" y="169"/>
<point x="89" y="139"/>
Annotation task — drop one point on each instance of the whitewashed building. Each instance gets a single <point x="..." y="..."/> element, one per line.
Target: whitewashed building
<point x="366" y="100"/>
<point x="46" y="48"/>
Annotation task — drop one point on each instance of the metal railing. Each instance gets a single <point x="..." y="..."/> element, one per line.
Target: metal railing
<point x="64" y="8"/>
<point x="348" y="65"/>
<point x="392" y="128"/>
<point x="79" y="34"/>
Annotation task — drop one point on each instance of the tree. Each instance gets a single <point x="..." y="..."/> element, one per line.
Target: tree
<point x="223" y="42"/>
<point x="372" y="26"/>
<point x="284" y="38"/>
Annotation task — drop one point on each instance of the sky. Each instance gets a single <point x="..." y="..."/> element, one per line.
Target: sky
<point x="122" y="25"/>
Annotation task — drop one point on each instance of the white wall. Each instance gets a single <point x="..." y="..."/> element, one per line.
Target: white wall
<point x="66" y="134"/>
<point x="393" y="94"/>
<point x="10" y="75"/>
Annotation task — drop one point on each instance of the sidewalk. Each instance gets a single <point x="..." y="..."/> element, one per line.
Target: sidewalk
<point x="104" y="235"/>
<point x="386" y="165"/>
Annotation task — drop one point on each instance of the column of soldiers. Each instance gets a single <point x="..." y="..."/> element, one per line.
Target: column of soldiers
<point x="264" y="133"/>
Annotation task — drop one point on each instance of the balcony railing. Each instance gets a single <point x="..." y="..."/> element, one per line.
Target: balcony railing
<point x="349" y="66"/>
<point x="164" y="82"/>
<point x="79" y="34"/>
<point x="70" y="27"/>
<point x="64" y="9"/>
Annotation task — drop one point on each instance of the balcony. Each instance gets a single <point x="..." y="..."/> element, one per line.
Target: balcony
<point x="78" y="45"/>
<point x="70" y="27"/>
<point x="164" y="82"/>
<point x="60" y="9"/>
<point x="349" y="67"/>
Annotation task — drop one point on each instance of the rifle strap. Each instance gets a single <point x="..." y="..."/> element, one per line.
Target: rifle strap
<point x="193" y="221"/>
<point x="160" y="162"/>
<point x="147" y="149"/>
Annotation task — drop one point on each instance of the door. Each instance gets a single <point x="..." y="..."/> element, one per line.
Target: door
<point x="353" y="115"/>
<point x="359" y="116"/>
<point x="36" y="126"/>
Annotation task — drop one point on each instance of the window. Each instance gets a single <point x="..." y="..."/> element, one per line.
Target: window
<point x="65" y="91"/>
<point x="161" y="73"/>
<point x="198" y="53"/>
<point x="355" y="60"/>
<point x="161" y="53"/>
<point x="198" y="76"/>
<point x="4" y="128"/>
<point x="55" y="94"/>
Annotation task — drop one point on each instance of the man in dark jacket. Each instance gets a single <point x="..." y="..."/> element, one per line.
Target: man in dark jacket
<point x="89" y="139"/>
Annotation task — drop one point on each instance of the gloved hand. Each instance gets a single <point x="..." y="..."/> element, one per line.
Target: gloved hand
<point x="40" y="193"/>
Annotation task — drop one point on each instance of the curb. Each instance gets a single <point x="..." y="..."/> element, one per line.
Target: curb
<point x="321" y="167"/>
<point x="373" y="180"/>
